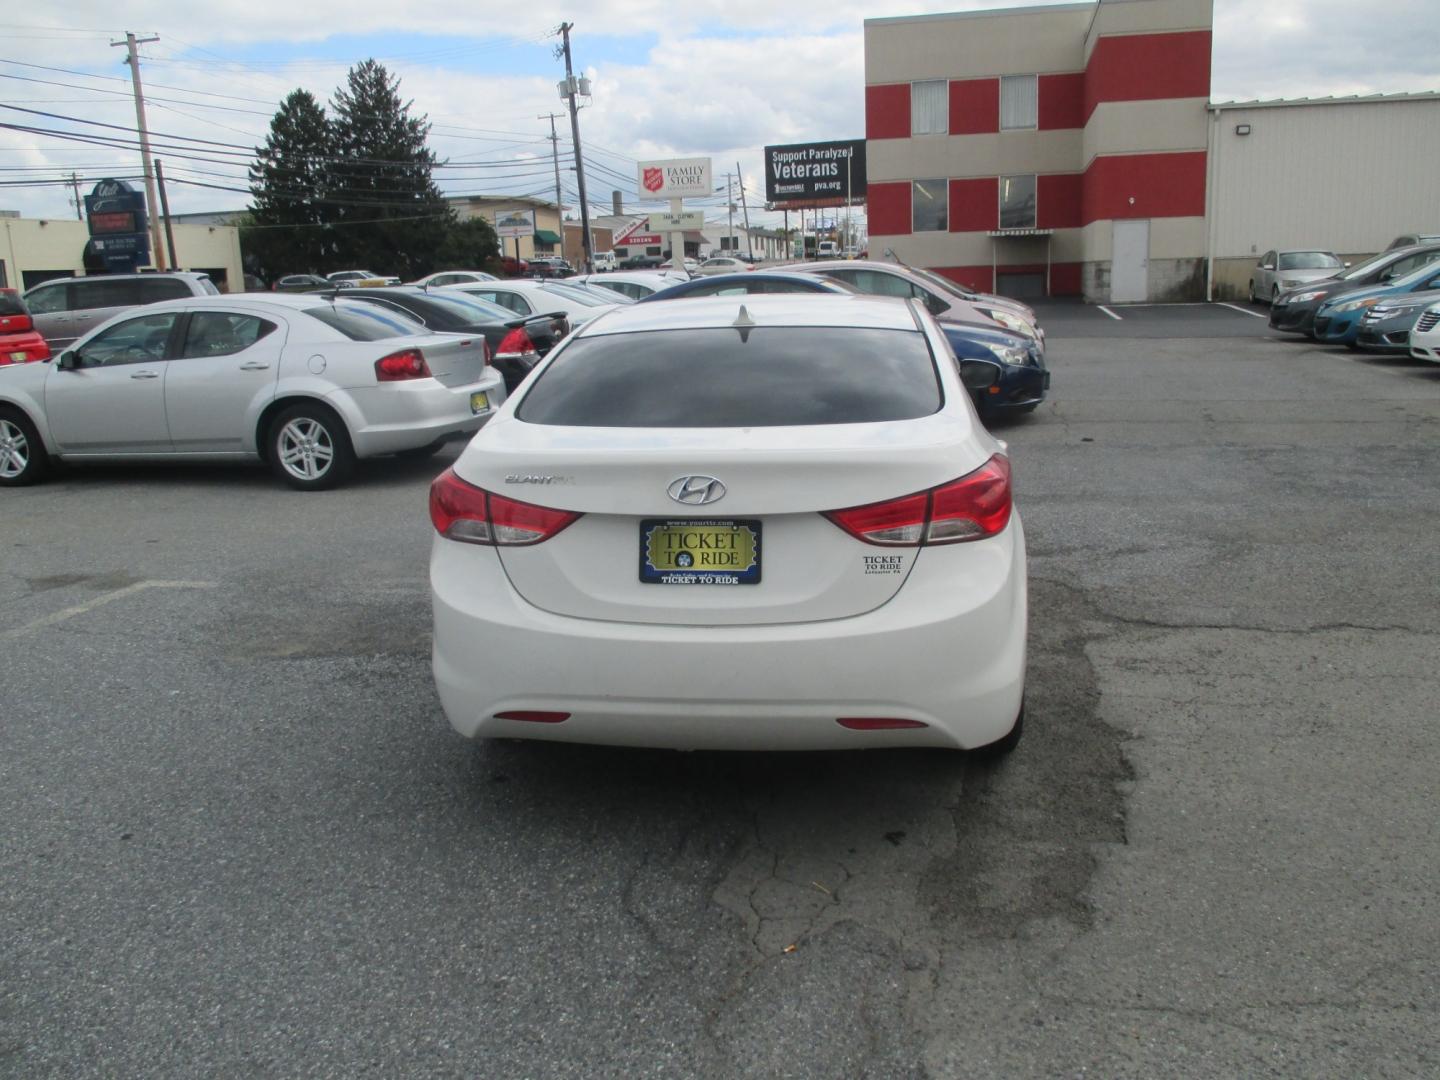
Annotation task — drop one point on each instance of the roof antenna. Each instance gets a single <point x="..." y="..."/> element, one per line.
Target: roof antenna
<point x="744" y="323"/>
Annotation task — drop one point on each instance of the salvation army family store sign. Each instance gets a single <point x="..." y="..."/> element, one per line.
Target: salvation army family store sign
<point x="675" y="178"/>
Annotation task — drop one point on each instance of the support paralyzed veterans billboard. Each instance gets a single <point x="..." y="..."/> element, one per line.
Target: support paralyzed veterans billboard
<point x="804" y="175"/>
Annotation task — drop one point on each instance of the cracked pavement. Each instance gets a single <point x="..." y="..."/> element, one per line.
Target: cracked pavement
<point x="240" y="838"/>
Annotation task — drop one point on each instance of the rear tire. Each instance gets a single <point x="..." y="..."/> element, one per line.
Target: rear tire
<point x="1004" y="745"/>
<point x="1252" y="292"/>
<point x="309" y="448"/>
<point x="23" y="459"/>
<point x="1274" y="295"/>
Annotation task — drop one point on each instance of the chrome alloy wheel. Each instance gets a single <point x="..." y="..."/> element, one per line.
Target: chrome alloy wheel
<point x="14" y="450"/>
<point x="306" y="449"/>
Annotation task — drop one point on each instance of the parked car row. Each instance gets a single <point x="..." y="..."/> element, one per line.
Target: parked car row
<point x="1373" y="305"/>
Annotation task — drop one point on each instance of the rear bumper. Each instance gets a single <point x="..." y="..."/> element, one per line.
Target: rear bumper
<point x="406" y="416"/>
<point x="947" y="650"/>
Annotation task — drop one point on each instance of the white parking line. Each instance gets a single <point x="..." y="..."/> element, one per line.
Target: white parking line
<point x="105" y="598"/>
<point x="1107" y="311"/>
<point x="1243" y="311"/>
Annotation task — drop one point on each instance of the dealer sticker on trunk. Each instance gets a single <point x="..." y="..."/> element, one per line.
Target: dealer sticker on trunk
<point x="694" y="552"/>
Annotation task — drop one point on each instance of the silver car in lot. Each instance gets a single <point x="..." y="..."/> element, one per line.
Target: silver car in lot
<point x="1280" y="271"/>
<point x="65" y="309"/>
<point x="306" y="384"/>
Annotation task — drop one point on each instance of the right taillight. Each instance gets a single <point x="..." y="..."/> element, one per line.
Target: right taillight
<point x="514" y="344"/>
<point x="464" y="512"/>
<point x="973" y="507"/>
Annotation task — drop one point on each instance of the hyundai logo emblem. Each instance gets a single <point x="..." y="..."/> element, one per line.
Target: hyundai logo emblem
<point x="696" y="490"/>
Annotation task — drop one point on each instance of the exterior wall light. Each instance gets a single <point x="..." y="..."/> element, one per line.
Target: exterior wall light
<point x="1242" y="129"/>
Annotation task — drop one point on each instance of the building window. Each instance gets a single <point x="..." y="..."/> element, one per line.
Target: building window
<point x="1017" y="202"/>
<point x="1018" y="100"/>
<point x="927" y="205"/>
<point x="929" y="111"/>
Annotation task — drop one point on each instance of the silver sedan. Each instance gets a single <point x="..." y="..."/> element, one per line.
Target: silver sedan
<point x="1281" y="271"/>
<point x="305" y="384"/>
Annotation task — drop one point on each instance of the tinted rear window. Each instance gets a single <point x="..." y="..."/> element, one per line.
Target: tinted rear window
<point x="364" y="322"/>
<point x="775" y="376"/>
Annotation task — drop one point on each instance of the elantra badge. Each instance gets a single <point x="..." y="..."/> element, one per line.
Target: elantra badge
<point x="696" y="490"/>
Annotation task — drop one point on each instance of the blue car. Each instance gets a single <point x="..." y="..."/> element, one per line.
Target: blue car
<point x="1337" y="320"/>
<point x="1023" y="377"/>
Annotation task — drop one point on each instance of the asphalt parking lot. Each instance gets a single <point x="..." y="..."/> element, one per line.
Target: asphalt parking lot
<point x="240" y="838"/>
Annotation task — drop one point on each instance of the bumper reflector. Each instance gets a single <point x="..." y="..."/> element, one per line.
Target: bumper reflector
<point x="533" y="716"/>
<point x="877" y="723"/>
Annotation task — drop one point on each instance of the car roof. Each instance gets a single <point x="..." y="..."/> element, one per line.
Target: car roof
<point x="819" y="284"/>
<point x="188" y="274"/>
<point x="786" y="309"/>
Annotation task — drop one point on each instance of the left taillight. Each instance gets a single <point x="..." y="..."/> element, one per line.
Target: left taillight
<point x="15" y="324"/>
<point x="464" y="512"/>
<point x="402" y="365"/>
<point x="973" y="507"/>
<point x="515" y="344"/>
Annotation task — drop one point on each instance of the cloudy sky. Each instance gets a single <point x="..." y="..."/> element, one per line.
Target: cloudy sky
<point x="720" y="78"/>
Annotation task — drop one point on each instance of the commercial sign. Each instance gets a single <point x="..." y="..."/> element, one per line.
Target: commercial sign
<point x="116" y="215"/>
<point x="815" y="174"/>
<point x="514" y="224"/>
<point x="675" y="178"/>
<point x="686" y="219"/>
<point x="638" y="235"/>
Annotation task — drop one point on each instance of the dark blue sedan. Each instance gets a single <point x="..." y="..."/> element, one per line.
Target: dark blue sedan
<point x="1023" y="376"/>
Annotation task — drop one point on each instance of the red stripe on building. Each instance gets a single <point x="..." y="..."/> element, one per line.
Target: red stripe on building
<point x="974" y="205"/>
<point x="887" y="111"/>
<point x="974" y="106"/>
<point x="1148" y="67"/>
<point x="889" y="208"/>
<point x="1162" y="185"/>
<point x="1058" y="200"/>
<point x="1062" y="101"/>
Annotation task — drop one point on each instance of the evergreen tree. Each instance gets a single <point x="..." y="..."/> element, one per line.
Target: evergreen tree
<point x="381" y="179"/>
<point x="470" y="244"/>
<point x="288" y="185"/>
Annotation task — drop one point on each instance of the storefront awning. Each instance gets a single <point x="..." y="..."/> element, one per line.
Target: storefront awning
<point x="545" y="236"/>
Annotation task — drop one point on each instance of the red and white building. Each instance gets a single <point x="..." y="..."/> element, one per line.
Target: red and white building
<point x="1057" y="150"/>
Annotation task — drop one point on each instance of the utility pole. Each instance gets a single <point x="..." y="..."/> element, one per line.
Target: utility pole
<point x="730" y="214"/>
<point x="570" y="93"/>
<point x="555" y="157"/>
<point x="79" y="203"/>
<point x="749" y="241"/>
<point x="165" y="212"/>
<point x="131" y="42"/>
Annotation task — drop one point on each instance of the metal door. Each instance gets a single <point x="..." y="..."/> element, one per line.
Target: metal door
<point x="223" y="375"/>
<point x="1129" y="261"/>
<point x="114" y="401"/>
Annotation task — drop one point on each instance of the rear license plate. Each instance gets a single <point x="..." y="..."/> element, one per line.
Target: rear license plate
<point x="479" y="403"/>
<point x="699" y="552"/>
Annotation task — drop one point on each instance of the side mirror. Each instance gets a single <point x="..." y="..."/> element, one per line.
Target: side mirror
<point x="67" y="360"/>
<point x="979" y="374"/>
<point x="1347" y="264"/>
<point x="1268" y="266"/>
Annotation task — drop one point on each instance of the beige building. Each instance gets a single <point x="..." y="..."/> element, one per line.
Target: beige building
<point x="1039" y="150"/>
<point x="1346" y="175"/>
<point x="545" y="240"/>
<point x="33" y="250"/>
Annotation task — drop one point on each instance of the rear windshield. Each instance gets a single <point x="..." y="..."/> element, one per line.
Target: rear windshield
<point x="767" y="377"/>
<point x="1309" y="260"/>
<point x="468" y="309"/>
<point x="580" y="296"/>
<point x="364" y="322"/>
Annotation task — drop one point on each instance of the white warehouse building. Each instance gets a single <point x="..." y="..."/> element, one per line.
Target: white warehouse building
<point x="1341" y="174"/>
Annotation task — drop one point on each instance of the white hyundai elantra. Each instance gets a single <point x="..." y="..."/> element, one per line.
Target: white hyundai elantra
<point x="769" y="524"/>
